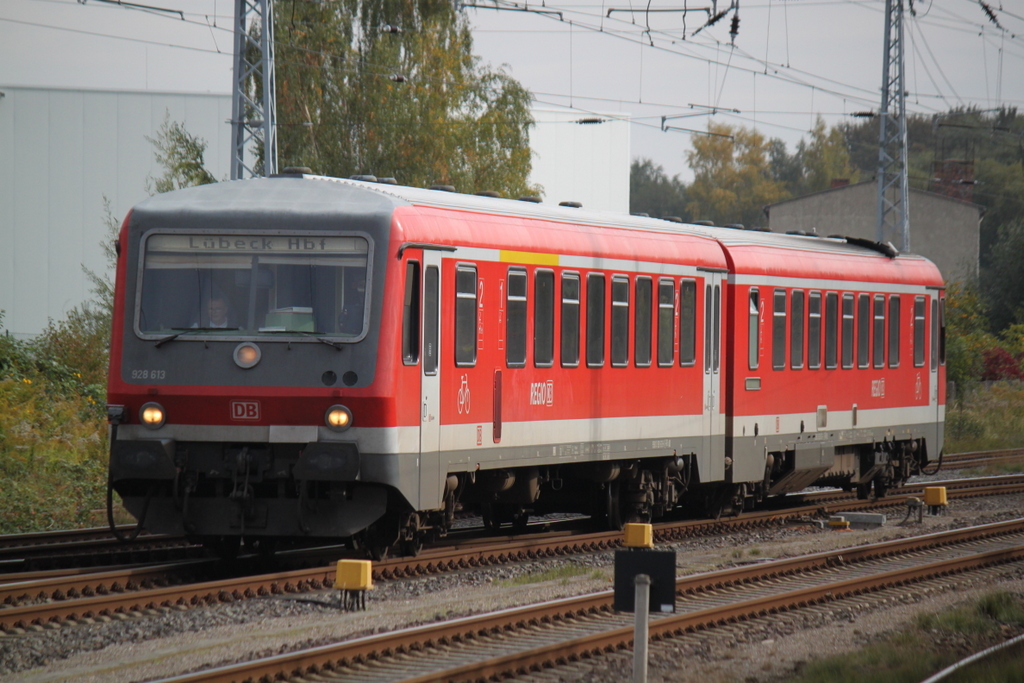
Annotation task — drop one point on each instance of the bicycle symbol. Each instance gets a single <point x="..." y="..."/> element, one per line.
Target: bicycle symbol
<point x="464" y="396"/>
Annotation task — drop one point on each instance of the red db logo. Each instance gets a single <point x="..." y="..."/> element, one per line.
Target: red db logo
<point x="245" y="410"/>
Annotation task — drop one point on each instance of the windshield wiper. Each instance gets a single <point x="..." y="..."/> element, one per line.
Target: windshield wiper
<point x="189" y="330"/>
<point x="305" y="333"/>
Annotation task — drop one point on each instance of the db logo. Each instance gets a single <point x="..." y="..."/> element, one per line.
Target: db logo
<point x="245" y="410"/>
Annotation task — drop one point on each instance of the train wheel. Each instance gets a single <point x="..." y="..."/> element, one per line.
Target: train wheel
<point x="378" y="552"/>
<point x="863" y="491"/>
<point x="412" y="547"/>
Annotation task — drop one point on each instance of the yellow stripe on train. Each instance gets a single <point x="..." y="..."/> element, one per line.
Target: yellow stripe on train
<point x="530" y="257"/>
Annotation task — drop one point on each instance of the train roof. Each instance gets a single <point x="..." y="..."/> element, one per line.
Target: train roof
<point x="747" y="251"/>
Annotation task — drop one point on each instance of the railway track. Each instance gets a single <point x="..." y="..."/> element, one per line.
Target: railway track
<point x="96" y="547"/>
<point x="49" y="601"/>
<point x="533" y="638"/>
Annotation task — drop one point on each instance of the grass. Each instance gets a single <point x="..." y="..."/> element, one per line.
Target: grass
<point x="564" y="574"/>
<point x="932" y="642"/>
<point x="987" y="417"/>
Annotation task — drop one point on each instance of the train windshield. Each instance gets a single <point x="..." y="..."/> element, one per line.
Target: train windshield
<point x="253" y="285"/>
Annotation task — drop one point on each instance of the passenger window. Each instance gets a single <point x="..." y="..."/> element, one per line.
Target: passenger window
<point x="919" y="312"/>
<point x="543" y="318"/>
<point x="779" y="331"/>
<point x="753" y="333"/>
<point x="831" y="330"/>
<point x="411" y="314"/>
<point x="687" y="322"/>
<point x="642" y="322"/>
<point x="666" y="317"/>
<point x="796" y="330"/>
<point x="570" y="320"/>
<point x="620" y="321"/>
<point x="847" y="331"/>
<point x="465" y="316"/>
<point x="894" y="331"/>
<point x="814" y="330"/>
<point x="595" y="320"/>
<point x="879" y="331"/>
<point x="515" y="319"/>
<point x="863" y="330"/>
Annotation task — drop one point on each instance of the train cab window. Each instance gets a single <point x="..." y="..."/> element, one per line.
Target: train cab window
<point x="666" y="317"/>
<point x="431" y="319"/>
<point x="687" y="322"/>
<point x="935" y="333"/>
<point x="411" y="314"/>
<point x="620" y="321"/>
<point x="847" y="331"/>
<point x="894" y="331"/>
<point x="879" y="331"/>
<point x="543" y="318"/>
<point x="465" y="316"/>
<point x="515" y="319"/>
<point x="570" y="320"/>
<point x="863" y="330"/>
<point x="284" y="287"/>
<point x="643" y="293"/>
<point x="753" y="328"/>
<point x="779" y="330"/>
<point x="595" y="320"/>
<point x="831" y="330"/>
<point x="814" y="330"/>
<point x="919" y="312"/>
<point x="796" y="330"/>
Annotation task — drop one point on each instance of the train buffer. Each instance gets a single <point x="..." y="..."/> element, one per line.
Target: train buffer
<point x="353" y="579"/>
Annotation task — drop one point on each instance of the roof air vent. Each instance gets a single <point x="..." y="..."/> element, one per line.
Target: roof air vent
<point x="364" y="178"/>
<point x="672" y="219"/>
<point x="532" y="200"/>
<point x="488" y="193"/>
<point x="294" y="170"/>
<point x="641" y="214"/>
<point x="704" y="222"/>
<point x="387" y="181"/>
<point x="443" y="188"/>
<point x="572" y="205"/>
<point x="735" y="226"/>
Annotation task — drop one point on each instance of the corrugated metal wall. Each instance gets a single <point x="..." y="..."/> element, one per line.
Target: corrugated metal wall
<point x="61" y="153"/>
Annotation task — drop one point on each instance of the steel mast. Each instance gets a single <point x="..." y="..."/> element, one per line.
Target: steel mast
<point x="253" y="101"/>
<point x="893" y="206"/>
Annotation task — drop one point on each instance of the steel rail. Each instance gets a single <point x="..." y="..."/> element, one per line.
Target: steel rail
<point x="323" y="658"/>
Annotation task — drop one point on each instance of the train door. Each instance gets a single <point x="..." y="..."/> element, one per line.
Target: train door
<point x="712" y="422"/>
<point x="937" y="354"/>
<point x="430" y="382"/>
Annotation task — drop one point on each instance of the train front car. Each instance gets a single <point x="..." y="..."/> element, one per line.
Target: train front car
<point x="244" y="361"/>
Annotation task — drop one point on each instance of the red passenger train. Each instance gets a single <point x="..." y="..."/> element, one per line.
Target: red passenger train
<point x="305" y="358"/>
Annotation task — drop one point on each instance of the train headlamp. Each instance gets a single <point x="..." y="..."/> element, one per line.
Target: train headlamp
<point x="247" y="355"/>
<point x="152" y="415"/>
<point x="338" y="418"/>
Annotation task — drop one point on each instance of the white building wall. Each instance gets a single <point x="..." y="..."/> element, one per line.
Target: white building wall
<point x="61" y="152"/>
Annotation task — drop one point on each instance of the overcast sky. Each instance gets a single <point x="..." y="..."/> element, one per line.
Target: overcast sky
<point x="790" y="61"/>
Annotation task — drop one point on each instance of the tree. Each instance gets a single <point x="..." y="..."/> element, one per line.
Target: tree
<point x="654" y="193"/>
<point x="1003" y="279"/>
<point x="391" y="88"/>
<point x="732" y="177"/>
<point x="181" y="155"/>
<point x="825" y="158"/>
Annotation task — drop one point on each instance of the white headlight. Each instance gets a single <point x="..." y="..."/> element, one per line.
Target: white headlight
<point x="338" y="418"/>
<point x="152" y="415"/>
